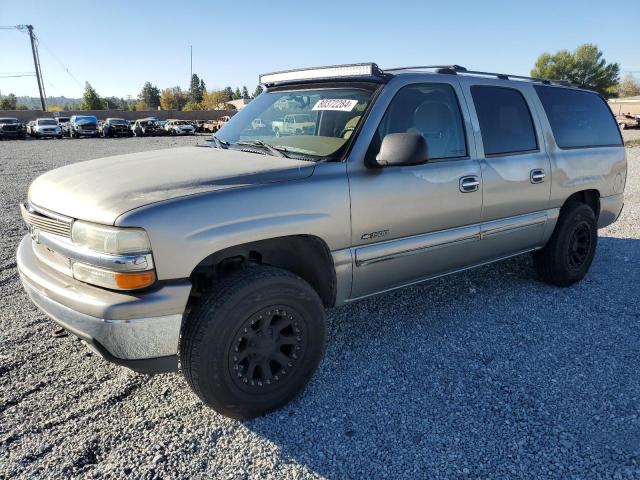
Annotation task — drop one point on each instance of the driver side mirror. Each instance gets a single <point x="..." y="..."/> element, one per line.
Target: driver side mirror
<point x="402" y="149"/>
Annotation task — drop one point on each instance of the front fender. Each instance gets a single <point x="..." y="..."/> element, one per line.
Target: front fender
<point x="186" y="230"/>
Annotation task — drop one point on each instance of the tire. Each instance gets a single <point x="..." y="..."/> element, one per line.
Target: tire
<point x="229" y="359"/>
<point x="567" y="256"/>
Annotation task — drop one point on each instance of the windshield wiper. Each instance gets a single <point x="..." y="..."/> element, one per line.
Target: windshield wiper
<point x="275" y="151"/>
<point x="219" y="143"/>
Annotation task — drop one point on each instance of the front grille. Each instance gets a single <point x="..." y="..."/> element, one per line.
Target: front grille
<point x="10" y="128"/>
<point x="88" y="126"/>
<point x="46" y="224"/>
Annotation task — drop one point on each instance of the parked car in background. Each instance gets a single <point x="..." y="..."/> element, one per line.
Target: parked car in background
<point x="222" y="121"/>
<point x="294" y="124"/>
<point x="210" y="126"/>
<point x="258" y="124"/>
<point x="147" y="127"/>
<point x="198" y="125"/>
<point x="83" y="126"/>
<point x="30" y="128"/>
<point x="47" y="128"/>
<point x="12" y="128"/>
<point x="179" y="127"/>
<point x="63" y="122"/>
<point x="115" y="127"/>
<point x="627" y="120"/>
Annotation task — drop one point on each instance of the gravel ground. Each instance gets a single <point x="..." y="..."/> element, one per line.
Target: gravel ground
<point x="488" y="374"/>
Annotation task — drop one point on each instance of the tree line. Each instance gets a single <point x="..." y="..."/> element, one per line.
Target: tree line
<point x="585" y="67"/>
<point x="197" y="97"/>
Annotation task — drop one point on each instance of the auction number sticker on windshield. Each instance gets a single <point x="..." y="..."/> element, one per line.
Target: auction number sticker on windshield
<point x="338" y="104"/>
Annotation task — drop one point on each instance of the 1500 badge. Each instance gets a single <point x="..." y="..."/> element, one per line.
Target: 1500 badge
<point x="372" y="235"/>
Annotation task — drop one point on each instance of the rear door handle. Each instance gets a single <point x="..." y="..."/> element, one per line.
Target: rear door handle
<point x="469" y="184"/>
<point x="537" y="175"/>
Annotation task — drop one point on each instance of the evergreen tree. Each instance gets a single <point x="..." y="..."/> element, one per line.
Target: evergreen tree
<point x="196" y="90"/>
<point x="90" y="99"/>
<point x="257" y="91"/>
<point x="150" y="96"/>
<point x="584" y="66"/>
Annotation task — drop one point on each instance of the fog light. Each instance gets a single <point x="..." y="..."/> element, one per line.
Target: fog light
<point x="113" y="280"/>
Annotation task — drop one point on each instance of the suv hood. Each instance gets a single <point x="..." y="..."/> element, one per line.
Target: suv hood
<point x="101" y="190"/>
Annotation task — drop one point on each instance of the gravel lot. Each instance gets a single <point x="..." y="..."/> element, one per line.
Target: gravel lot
<point x="488" y="374"/>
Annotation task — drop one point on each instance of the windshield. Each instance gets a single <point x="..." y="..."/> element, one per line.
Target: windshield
<point x="8" y="120"/>
<point x="86" y="119"/>
<point x="316" y="122"/>
<point x="117" y="121"/>
<point x="47" y="121"/>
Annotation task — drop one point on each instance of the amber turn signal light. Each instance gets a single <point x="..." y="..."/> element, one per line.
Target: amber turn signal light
<point x="132" y="281"/>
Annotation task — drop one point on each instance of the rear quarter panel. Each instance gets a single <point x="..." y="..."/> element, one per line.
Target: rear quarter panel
<point x="572" y="170"/>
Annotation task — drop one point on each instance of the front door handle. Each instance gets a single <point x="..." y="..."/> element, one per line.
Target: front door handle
<point x="469" y="184"/>
<point x="537" y="175"/>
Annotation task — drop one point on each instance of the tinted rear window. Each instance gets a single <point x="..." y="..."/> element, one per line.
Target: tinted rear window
<point x="505" y="120"/>
<point x="578" y="118"/>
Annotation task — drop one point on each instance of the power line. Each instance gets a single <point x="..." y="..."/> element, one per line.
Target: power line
<point x="17" y="76"/>
<point x="60" y="62"/>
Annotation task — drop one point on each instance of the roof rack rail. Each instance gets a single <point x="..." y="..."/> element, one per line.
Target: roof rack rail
<point x="439" y="68"/>
<point x="457" y="69"/>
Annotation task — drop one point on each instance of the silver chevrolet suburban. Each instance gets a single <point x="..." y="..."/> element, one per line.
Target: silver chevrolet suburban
<point x="218" y="260"/>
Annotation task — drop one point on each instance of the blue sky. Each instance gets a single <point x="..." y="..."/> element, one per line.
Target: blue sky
<point x="119" y="47"/>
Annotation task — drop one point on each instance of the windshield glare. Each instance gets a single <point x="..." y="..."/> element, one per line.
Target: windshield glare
<point x="316" y="122"/>
<point x="47" y="122"/>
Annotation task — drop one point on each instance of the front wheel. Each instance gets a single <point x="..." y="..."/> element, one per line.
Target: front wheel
<point x="252" y="344"/>
<point x="567" y="256"/>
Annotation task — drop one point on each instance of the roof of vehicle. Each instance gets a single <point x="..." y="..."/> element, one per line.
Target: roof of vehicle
<point x="4" y="119"/>
<point x="115" y="118"/>
<point x="372" y="73"/>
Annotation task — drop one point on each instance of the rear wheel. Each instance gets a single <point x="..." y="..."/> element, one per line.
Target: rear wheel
<point x="252" y="345"/>
<point x="567" y="256"/>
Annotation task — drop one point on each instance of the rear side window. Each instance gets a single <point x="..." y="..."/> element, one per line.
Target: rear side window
<point x="505" y="120"/>
<point x="578" y="118"/>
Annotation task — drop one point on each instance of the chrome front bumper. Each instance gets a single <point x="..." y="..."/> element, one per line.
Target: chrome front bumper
<point x="138" y="330"/>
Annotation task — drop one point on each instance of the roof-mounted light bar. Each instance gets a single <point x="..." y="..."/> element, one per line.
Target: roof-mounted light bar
<point x="335" y="71"/>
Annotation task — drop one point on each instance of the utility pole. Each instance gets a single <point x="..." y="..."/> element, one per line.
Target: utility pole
<point x="36" y="63"/>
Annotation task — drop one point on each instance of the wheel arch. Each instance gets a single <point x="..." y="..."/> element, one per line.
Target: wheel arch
<point x="307" y="256"/>
<point x="589" y="197"/>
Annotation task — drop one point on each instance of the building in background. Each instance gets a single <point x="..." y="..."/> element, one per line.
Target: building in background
<point x="625" y="106"/>
<point x="240" y="103"/>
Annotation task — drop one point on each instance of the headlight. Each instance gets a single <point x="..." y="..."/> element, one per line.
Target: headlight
<point x="110" y="240"/>
<point x="122" y="258"/>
